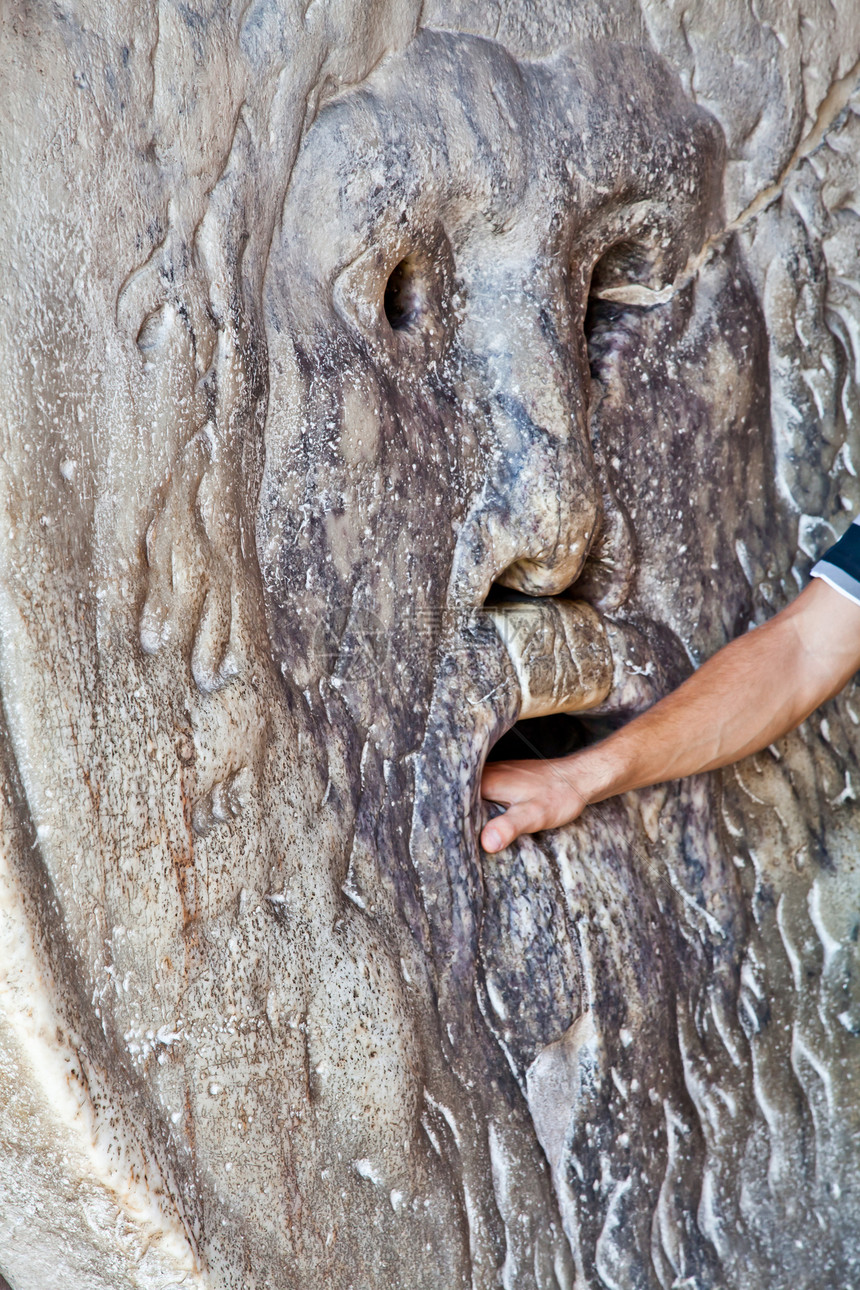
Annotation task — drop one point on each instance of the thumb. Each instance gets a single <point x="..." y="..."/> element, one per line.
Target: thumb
<point x="500" y="832"/>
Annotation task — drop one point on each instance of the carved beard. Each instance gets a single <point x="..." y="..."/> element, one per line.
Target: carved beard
<point x="429" y="439"/>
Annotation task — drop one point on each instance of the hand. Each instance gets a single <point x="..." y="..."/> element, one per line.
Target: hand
<point x="537" y="794"/>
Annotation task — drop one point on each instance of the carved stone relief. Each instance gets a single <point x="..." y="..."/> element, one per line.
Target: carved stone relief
<point x="386" y="386"/>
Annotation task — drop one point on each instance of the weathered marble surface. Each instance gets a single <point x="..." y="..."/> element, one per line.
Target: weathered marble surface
<point x="266" y="1019"/>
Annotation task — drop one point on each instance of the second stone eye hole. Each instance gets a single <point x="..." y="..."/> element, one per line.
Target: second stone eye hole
<point x="405" y="293"/>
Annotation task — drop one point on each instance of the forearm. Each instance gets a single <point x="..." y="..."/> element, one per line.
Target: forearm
<point x="746" y="696"/>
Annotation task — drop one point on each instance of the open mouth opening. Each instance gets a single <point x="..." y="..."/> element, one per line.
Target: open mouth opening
<point x="537" y="738"/>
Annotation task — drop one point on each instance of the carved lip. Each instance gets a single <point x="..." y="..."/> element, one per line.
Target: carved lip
<point x="567" y="658"/>
<point x="560" y="653"/>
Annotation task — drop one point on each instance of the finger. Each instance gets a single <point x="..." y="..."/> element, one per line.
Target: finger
<point x="500" y="832"/>
<point x="493" y="790"/>
<point x="500" y="780"/>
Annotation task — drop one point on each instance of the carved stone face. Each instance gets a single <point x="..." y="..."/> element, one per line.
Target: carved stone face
<point x="483" y="381"/>
<point x="428" y="431"/>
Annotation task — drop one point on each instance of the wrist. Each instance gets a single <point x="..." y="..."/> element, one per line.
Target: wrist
<point x="600" y="771"/>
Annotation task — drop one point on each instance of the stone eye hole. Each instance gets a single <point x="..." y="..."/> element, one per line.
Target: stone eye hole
<point x="405" y="295"/>
<point x="618" y="264"/>
<point x="621" y="264"/>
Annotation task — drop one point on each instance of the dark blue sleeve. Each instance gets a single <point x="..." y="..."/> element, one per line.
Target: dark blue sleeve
<point x="840" y="565"/>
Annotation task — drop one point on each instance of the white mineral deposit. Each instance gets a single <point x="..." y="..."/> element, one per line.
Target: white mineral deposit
<point x="339" y="339"/>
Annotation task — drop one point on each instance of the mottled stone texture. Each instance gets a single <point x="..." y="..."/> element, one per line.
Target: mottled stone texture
<point x="323" y="326"/>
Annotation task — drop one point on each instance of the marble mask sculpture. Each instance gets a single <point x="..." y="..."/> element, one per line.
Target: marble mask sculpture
<point x="442" y="393"/>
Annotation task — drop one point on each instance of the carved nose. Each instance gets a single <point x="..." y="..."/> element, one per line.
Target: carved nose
<point x="542" y="504"/>
<point x="533" y="523"/>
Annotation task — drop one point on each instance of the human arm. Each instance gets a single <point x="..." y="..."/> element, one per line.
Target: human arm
<point x="748" y="694"/>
